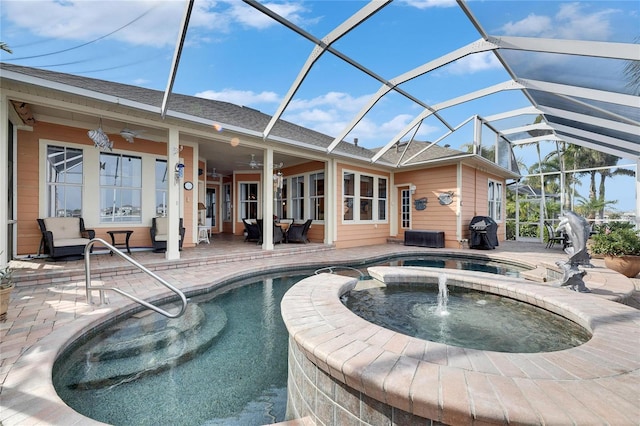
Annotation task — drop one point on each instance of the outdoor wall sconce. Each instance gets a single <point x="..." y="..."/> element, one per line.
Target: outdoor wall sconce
<point x="412" y="188"/>
<point x="179" y="170"/>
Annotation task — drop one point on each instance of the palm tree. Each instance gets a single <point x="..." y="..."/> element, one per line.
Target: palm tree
<point x="632" y="71"/>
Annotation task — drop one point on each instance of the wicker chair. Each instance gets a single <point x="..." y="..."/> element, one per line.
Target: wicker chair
<point x="64" y="238"/>
<point x="253" y="230"/>
<point x="159" y="234"/>
<point x="297" y="232"/>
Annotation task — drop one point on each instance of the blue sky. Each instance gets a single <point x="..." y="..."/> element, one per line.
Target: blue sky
<point x="236" y="54"/>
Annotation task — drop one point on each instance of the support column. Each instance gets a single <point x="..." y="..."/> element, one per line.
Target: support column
<point x="267" y="197"/>
<point x="4" y="182"/>
<point x="637" y="193"/>
<point x="173" y="194"/>
<point x="330" y="212"/>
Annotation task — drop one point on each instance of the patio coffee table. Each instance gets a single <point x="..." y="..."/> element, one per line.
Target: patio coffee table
<point x="120" y="244"/>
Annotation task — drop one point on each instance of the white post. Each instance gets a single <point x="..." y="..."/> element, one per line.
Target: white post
<point x="173" y="195"/>
<point x="267" y="199"/>
<point x="4" y="182"/>
<point x="331" y="215"/>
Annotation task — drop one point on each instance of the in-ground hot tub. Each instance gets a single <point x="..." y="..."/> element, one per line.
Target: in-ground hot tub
<point x="343" y="369"/>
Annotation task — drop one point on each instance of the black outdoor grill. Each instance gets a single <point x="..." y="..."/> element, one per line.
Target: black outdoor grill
<point x="484" y="233"/>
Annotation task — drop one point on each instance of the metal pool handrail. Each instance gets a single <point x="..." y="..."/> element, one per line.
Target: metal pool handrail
<point x="87" y="270"/>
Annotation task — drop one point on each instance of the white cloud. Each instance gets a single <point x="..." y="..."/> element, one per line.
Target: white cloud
<point x="570" y="22"/>
<point x="332" y="113"/>
<point x="156" y="23"/>
<point x="532" y="25"/>
<point x="240" y="97"/>
<point x="482" y="61"/>
<point x="144" y="22"/>
<point x="252" y="18"/>
<point x="426" y="4"/>
<point x="334" y="100"/>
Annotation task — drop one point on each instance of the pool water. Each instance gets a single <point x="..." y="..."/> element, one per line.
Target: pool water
<point x="240" y="379"/>
<point x="237" y="375"/>
<point x="474" y="319"/>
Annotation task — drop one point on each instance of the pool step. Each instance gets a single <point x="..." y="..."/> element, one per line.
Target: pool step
<point x="147" y="344"/>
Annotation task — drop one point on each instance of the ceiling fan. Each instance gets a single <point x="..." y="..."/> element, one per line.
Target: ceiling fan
<point x="253" y="163"/>
<point x="215" y="175"/>
<point x="129" y="135"/>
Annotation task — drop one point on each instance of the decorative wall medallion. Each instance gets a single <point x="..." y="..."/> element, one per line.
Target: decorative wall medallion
<point x="446" y="198"/>
<point x="420" y="203"/>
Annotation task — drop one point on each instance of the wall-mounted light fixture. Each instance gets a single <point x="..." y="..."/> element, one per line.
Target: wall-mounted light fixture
<point x="179" y="170"/>
<point x="412" y="188"/>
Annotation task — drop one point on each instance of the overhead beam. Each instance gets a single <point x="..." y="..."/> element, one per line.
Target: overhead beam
<point x="176" y="57"/>
<point x="321" y="46"/>
<point x="475" y="47"/>
<point x="595" y="121"/>
<point x="507" y="85"/>
<point x="598" y="49"/>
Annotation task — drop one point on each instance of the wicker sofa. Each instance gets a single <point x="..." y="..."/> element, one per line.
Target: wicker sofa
<point x="160" y="232"/>
<point x="64" y="238"/>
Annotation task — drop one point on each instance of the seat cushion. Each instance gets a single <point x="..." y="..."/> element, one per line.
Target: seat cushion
<point x="68" y="242"/>
<point x="63" y="227"/>
<point x="161" y="226"/>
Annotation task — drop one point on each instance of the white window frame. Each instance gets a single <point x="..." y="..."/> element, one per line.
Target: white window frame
<point x="226" y="203"/>
<point x="51" y="186"/>
<point x="314" y="197"/>
<point x="357" y="198"/>
<point x="242" y="203"/>
<point x="306" y="199"/>
<point x="119" y="188"/>
<point x="297" y="202"/>
<point x="161" y="193"/>
<point x="495" y="192"/>
<point x="405" y="208"/>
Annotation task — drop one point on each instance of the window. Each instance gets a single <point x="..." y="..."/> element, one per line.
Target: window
<point x="382" y="199"/>
<point x="316" y="185"/>
<point x="161" y="188"/>
<point x="495" y="200"/>
<point x="248" y="201"/>
<point x="64" y="181"/>
<point x="349" y="195"/>
<point x="366" y="201"/>
<point x="226" y="204"/>
<point x="120" y="188"/>
<point x="297" y="197"/>
<point x="366" y="197"/>
<point x="405" y="202"/>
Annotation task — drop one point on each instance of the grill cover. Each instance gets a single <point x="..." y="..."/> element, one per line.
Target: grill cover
<point x="484" y="233"/>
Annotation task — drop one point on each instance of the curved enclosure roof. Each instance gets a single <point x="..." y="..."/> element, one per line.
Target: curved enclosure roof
<point x="583" y="91"/>
<point x="451" y="73"/>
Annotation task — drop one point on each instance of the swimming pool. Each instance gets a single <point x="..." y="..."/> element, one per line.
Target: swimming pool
<point x="240" y="378"/>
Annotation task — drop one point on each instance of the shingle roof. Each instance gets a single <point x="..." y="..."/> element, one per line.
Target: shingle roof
<point x="227" y="114"/>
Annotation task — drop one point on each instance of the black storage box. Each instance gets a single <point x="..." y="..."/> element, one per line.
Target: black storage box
<point x="434" y="239"/>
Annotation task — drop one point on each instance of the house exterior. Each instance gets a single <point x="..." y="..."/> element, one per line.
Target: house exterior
<point x="208" y="163"/>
